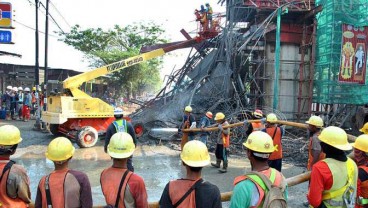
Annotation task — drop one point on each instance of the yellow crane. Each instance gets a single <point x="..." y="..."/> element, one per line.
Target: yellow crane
<point x="77" y="115"/>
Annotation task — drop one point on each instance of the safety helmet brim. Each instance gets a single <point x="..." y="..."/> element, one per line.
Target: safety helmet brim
<point x="120" y="155"/>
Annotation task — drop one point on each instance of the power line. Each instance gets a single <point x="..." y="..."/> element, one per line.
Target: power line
<point x="59" y="13"/>
<point x="53" y="19"/>
<point x="29" y="27"/>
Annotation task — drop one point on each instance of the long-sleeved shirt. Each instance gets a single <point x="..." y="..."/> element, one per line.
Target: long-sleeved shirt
<point x="205" y="122"/>
<point x="224" y="131"/>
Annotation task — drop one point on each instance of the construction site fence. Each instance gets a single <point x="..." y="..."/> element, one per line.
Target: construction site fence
<point x="226" y="196"/>
<point x="329" y="86"/>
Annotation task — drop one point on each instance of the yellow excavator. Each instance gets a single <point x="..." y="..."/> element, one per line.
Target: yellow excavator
<point x="77" y="115"/>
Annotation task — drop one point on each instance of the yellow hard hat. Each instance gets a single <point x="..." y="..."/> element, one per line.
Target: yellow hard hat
<point x="121" y="145"/>
<point x="315" y="121"/>
<point x="33" y="88"/>
<point x="195" y="154"/>
<point x="9" y="135"/>
<point x="188" y="109"/>
<point x="209" y="115"/>
<point x="219" y="116"/>
<point x="364" y="129"/>
<point x="259" y="141"/>
<point x="335" y="137"/>
<point x="60" y="149"/>
<point x="361" y="143"/>
<point x="271" y="118"/>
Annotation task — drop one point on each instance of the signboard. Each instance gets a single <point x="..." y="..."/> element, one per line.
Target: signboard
<point x="5" y="36"/>
<point x="5" y="14"/>
<point x="353" y="54"/>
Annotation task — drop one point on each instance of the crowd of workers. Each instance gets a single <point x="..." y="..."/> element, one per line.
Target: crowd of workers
<point x="204" y="16"/>
<point x="336" y="180"/>
<point x="20" y="104"/>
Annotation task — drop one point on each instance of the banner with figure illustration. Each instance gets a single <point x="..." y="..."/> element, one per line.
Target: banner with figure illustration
<point x="353" y="54"/>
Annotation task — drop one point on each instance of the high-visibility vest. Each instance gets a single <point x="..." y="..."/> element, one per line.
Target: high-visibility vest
<point x="257" y="126"/>
<point x="121" y="125"/>
<point x="363" y="197"/>
<point x="275" y="177"/>
<point x="5" y="200"/>
<point x="178" y="188"/>
<point x="310" y="156"/>
<point x="56" y="185"/>
<point x="277" y="154"/>
<point x="344" y="175"/>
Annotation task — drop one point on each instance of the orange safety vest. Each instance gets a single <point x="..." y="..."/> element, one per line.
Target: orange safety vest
<point x="110" y="182"/>
<point x="56" y="185"/>
<point x="364" y="185"/>
<point x="257" y="126"/>
<point x="178" y="188"/>
<point x="226" y="140"/>
<point x="277" y="154"/>
<point x="274" y="176"/>
<point x="6" y="201"/>
<point x="310" y="156"/>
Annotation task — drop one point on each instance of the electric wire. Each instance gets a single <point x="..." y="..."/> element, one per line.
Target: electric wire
<point x="53" y="5"/>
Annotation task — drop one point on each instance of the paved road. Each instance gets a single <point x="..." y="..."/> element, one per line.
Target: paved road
<point x="157" y="164"/>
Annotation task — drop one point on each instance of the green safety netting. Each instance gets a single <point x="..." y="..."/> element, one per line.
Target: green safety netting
<point x="328" y="89"/>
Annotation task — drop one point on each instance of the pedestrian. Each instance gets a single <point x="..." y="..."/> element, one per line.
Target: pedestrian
<point x="222" y="143"/>
<point x="361" y="159"/>
<point x="250" y="127"/>
<point x="364" y="129"/>
<point x="34" y="95"/>
<point x="13" y="102"/>
<point x="6" y="98"/>
<point x="14" y="181"/>
<point x="205" y="122"/>
<point x="187" y="123"/>
<point x="63" y="187"/>
<point x="315" y="154"/>
<point x="120" y="186"/>
<point x="27" y="105"/>
<point x="333" y="180"/>
<point x="276" y="133"/>
<point x="192" y="191"/>
<point x="250" y="189"/>
<point x="120" y="125"/>
<point x="20" y="103"/>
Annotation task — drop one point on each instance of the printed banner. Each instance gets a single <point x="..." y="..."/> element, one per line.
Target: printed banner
<point x="353" y="54"/>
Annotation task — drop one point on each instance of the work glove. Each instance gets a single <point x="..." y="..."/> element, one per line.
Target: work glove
<point x="263" y="120"/>
<point x="220" y="127"/>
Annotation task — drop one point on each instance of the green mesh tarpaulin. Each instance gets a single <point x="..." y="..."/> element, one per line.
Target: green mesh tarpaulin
<point x="336" y="15"/>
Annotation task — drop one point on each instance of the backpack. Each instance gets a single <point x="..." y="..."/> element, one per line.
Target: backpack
<point x="274" y="195"/>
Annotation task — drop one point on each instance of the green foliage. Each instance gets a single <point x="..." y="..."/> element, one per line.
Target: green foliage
<point x="104" y="47"/>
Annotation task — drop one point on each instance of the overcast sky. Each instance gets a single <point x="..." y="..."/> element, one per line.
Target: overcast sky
<point x="173" y="15"/>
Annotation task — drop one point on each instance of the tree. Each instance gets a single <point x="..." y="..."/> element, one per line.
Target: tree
<point x="104" y="47"/>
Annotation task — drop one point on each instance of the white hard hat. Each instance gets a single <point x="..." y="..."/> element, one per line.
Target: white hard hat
<point x="9" y="87"/>
<point x="118" y="111"/>
<point x="20" y="88"/>
<point x="26" y="89"/>
<point x="15" y="89"/>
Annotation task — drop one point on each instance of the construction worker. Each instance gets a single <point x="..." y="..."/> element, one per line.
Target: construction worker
<point x="205" y="122"/>
<point x="333" y="180"/>
<point x="6" y="98"/>
<point x="192" y="191"/>
<point x="14" y="103"/>
<point x="361" y="159"/>
<point x="34" y="95"/>
<point x="27" y="104"/>
<point x="121" y="187"/>
<point x="20" y="103"/>
<point x="276" y="133"/>
<point x="249" y="190"/>
<point x="222" y="143"/>
<point x="120" y="125"/>
<point x="257" y="114"/>
<point x="14" y="182"/>
<point x="364" y="129"/>
<point x="63" y="187"/>
<point x="209" y="13"/>
<point x="315" y="124"/>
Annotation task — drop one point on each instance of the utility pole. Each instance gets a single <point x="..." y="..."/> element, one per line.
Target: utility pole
<point x="46" y="72"/>
<point x="277" y="61"/>
<point x="37" y="125"/>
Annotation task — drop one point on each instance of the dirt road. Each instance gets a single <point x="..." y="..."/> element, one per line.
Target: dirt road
<point x="157" y="164"/>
